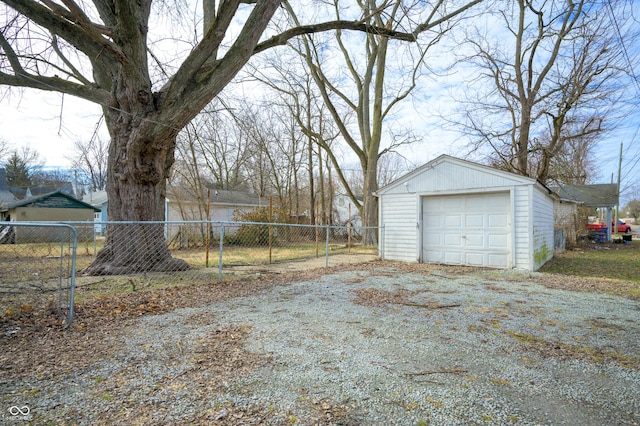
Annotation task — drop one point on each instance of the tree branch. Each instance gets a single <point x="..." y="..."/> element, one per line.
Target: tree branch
<point x="282" y="38"/>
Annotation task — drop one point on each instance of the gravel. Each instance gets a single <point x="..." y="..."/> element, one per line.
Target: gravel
<point x="378" y="346"/>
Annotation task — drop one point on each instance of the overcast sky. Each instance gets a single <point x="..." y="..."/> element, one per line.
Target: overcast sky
<point x="50" y="123"/>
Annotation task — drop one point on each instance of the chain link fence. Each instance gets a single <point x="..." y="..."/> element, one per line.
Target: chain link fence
<point x="154" y="255"/>
<point x="37" y="272"/>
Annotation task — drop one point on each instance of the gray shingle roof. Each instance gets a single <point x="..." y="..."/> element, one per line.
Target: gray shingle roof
<point x="218" y="196"/>
<point x="57" y="199"/>
<point x="597" y="195"/>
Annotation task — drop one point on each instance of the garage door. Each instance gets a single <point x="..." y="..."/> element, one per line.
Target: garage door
<point x="467" y="230"/>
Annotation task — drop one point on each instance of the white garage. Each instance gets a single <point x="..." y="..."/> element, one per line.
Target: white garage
<point x="456" y="212"/>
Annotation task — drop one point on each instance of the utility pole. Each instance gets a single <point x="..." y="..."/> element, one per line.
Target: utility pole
<point x="615" y="226"/>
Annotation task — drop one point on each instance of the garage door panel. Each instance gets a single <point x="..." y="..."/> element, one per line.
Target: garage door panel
<point x="432" y="221"/>
<point x="453" y="258"/>
<point x="474" y="259"/>
<point x="474" y="241"/>
<point x="470" y="229"/>
<point x="474" y="204"/>
<point x="452" y="204"/>
<point x="496" y="260"/>
<point x="497" y="220"/>
<point x="497" y="241"/>
<point x="453" y="221"/>
<point x="434" y="256"/>
<point x="474" y="220"/>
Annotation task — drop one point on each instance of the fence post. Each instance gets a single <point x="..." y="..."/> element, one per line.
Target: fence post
<point x="220" y="255"/>
<point x="72" y="285"/>
<point x="326" y="249"/>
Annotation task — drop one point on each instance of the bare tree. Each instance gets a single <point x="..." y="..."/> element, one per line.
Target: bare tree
<point x="105" y="52"/>
<point x="90" y="158"/>
<point x="5" y="148"/>
<point x="368" y="90"/>
<point x="553" y="72"/>
<point x="292" y="87"/>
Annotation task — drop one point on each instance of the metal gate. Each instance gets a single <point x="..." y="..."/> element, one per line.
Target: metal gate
<point x="37" y="271"/>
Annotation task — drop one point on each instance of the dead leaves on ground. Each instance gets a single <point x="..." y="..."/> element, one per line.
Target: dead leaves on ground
<point x="380" y="298"/>
<point x="564" y="351"/>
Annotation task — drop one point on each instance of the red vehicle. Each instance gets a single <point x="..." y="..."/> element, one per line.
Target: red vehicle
<point x="623" y="228"/>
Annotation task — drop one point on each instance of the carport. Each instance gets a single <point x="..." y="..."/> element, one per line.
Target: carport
<point x="596" y="196"/>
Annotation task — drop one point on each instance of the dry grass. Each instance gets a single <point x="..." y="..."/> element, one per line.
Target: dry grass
<point x="603" y="268"/>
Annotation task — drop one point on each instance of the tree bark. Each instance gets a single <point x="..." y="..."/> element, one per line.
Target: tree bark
<point x="141" y="154"/>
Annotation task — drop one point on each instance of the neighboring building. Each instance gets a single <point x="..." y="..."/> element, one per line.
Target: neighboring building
<point x="98" y="200"/>
<point x="184" y="205"/>
<point x="5" y="195"/>
<point x="601" y="198"/>
<point x="52" y="207"/>
<point x="565" y="219"/>
<point x="457" y="212"/>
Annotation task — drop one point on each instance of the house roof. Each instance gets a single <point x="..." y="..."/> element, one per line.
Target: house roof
<point x="217" y="196"/>
<point x="6" y="196"/>
<point x="56" y="199"/>
<point x="597" y="195"/>
<point x="515" y="178"/>
<point x="96" y="199"/>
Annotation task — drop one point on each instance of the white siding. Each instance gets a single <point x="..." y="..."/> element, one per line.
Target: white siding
<point x="542" y="220"/>
<point x="521" y="227"/>
<point x="454" y="175"/>
<point x="399" y="235"/>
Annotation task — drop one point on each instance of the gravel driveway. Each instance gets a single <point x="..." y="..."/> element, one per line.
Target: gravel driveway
<point x="376" y="345"/>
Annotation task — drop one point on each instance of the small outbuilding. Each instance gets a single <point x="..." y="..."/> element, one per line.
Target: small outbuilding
<point x="52" y="207"/>
<point x="457" y="212"/>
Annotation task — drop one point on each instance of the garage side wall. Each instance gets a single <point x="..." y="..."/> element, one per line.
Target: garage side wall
<point x="543" y="228"/>
<point x="521" y="227"/>
<point x="399" y="235"/>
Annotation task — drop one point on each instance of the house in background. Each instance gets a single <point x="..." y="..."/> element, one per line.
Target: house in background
<point x="457" y="212"/>
<point x="52" y="207"/>
<point x="5" y="195"/>
<point x="183" y="204"/>
<point x="599" y="199"/>
<point x="98" y="199"/>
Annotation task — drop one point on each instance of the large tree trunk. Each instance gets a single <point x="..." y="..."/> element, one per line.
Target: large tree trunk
<point x="141" y="154"/>
<point x="370" y="202"/>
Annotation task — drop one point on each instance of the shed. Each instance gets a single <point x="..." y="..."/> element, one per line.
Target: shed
<point x="52" y="207"/>
<point x="457" y="212"/>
